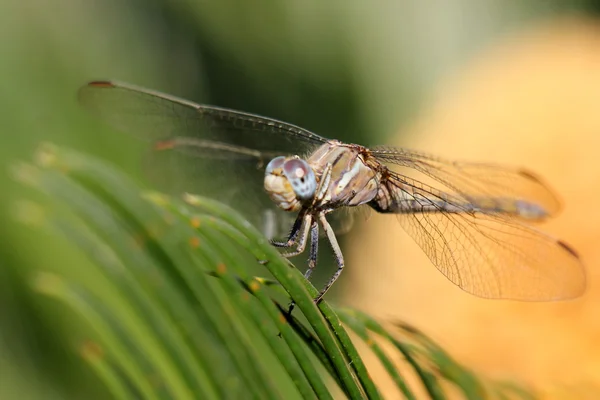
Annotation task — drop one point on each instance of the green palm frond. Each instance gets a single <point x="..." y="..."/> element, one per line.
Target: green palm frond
<point x="175" y="312"/>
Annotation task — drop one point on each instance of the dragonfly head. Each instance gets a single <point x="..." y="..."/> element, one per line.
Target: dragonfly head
<point x="290" y="182"/>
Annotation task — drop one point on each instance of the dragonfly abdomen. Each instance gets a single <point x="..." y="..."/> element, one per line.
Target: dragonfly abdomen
<point x="503" y="205"/>
<point x="405" y="202"/>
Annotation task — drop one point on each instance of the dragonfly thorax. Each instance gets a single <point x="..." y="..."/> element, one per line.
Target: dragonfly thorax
<point x="290" y="182"/>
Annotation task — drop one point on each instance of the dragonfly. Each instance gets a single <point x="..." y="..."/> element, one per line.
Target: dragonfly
<point x="474" y="221"/>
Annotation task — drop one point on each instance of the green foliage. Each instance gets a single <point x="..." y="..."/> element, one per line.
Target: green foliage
<point x="171" y="309"/>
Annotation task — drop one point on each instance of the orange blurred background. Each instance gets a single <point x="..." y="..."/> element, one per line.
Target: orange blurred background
<point x="533" y="100"/>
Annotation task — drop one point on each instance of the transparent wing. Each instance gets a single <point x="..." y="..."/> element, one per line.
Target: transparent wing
<point x="491" y="255"/>
<point x="155" y="116"/>
<point x="486" y="186"/>
<point x="203" y="149"/>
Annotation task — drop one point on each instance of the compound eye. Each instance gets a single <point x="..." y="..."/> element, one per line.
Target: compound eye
<point x="274" y="164"/>
<point x="301" y="177"/>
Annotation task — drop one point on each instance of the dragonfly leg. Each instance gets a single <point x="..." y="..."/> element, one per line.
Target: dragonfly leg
<point x="337" y="253"/>
<point x="312" y="259"/>
<point x="314" y="248"/>
<point x="292" y="238"/>
<point x="300" y="240"/>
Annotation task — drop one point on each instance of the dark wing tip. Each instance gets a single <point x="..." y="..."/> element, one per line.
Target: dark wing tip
<point x="576" y="282"/>
<point x="100" y="84"/>
<point x="568" y="248"/>
<point x="554" y="204"/>
<point x="83" y="95"/>
<point x="530" y="175"/>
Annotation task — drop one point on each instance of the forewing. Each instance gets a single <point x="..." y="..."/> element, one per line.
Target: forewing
<point x="492" y="187"/>
<point x="202" y="149"/>
<point x="155" y="116"/>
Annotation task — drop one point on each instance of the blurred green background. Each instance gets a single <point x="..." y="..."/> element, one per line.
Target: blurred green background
<point x="351" y="70"/>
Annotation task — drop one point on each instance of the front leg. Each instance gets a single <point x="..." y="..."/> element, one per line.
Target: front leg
<point x="293" y="236"/>
<point x="300" y="238"/>
<point x="293" y="233"/>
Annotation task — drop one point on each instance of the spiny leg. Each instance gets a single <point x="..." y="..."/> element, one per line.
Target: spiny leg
<point x="308" y="222"/>
<point x="314" y="230"/>
<point x="314" y="248"/>
<point x="312" y="258"/>
<point x="337" y="253"/>
<point x="292" y="238"/>
<point x="300" y="239"/>
<point x="300" y="219"/>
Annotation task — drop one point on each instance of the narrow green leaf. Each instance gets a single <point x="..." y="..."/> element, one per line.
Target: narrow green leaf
<point x="176" y="310"/>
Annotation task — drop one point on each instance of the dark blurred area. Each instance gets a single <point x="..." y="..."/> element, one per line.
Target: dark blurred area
<point x="354" y="71"/>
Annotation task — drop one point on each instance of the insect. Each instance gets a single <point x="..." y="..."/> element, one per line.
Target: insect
<point x="471" y="219"/>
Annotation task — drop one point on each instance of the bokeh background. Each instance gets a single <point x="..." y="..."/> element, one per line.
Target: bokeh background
<point x="515" y="82"/>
